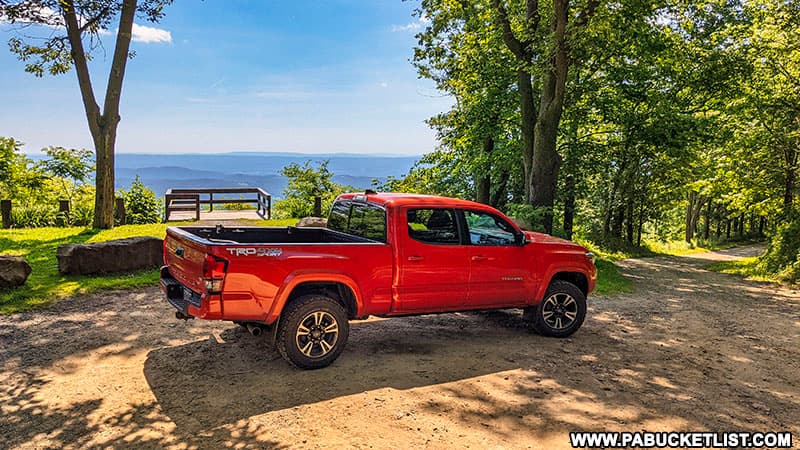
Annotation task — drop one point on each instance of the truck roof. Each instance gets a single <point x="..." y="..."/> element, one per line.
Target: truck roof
<point x="403" y="199"/>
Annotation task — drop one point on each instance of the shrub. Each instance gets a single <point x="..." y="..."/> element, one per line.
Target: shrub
<point x="141" y="204"/>
<point x="34" y="216"/>
<point x="783" y="253"/>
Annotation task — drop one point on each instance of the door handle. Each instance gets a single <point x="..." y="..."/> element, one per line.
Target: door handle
<point x="480" y="258"/>
<point x="415" y="258"/>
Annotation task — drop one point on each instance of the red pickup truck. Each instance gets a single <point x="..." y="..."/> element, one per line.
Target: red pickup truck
<point x="381" y="254"/>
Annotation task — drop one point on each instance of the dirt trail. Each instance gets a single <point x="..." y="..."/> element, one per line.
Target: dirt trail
<point x="689" y="350"/>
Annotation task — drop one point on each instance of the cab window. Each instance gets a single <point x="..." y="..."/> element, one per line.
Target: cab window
<point x="488" y="229"/>
<point x="368" y="221"/>
<point x="433" y="226"/>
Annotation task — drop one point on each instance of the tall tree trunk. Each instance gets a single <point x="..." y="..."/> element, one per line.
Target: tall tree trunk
<point x="528" y="113"/>
<point x="483" y="182"/>
<point x="500" y="196"/>
<point x="546" y="160"/>
<point x="693" y="209"/>
<point x="102" y="126"/>
<point x="741" y="226"/>
<point x="629" y="221"/>
<point x="788" y="190"/>
<point x="569" y="205"/>
<point x="707" y="227"/>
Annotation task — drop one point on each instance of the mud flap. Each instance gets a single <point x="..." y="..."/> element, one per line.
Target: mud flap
<point x="273" y="332"/>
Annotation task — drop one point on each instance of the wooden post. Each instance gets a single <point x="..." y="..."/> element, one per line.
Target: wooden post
<point x="317" y="206"/>
<point x="63" y="212"/>
<point x="119" y="210"/>
<point x="269" y="207"/>
<point x="211" y="202"/>
<point x="5" y="209"/>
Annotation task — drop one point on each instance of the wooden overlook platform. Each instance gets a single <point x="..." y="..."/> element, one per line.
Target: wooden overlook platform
<point x="190" y="204"/>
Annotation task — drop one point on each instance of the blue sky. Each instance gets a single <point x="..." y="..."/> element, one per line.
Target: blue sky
<point x="233" y="75"/>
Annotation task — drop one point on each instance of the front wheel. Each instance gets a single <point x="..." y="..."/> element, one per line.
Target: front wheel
<point x="561" y="312"/>
<point x="312" y="332"/>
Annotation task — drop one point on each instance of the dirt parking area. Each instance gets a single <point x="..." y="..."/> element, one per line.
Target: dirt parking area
<point x="689" y="350"/>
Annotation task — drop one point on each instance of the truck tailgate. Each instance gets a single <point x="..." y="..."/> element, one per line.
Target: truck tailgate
<point x="184" y="257"/>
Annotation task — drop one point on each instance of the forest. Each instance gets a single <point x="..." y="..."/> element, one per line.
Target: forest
<point x="622" y="121"/>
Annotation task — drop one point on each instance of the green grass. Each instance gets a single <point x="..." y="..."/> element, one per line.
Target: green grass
<point x="45" y="285"/>
<point x="609" y="280"/>
<point x="745" y="267"/>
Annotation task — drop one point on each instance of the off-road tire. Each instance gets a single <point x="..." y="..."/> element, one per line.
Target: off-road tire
<point x="561" y="292"/>
<point x="290" y="337"/>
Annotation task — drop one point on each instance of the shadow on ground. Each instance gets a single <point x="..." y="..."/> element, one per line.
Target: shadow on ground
<point x="689" y="350"/>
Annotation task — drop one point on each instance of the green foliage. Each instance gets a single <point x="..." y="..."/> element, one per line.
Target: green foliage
<point x="141" y="204"/>
<point x="33" y="216"/>
<point x="528" y="214"/>
<point x="303" y="184"/>
<point x="782" y="257"/>
<point x="21" y="180"/>
<point x="238" y="206"/>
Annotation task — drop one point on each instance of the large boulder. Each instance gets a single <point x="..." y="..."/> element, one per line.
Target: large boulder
<point x="14" y="271"/>
<point x="121" y="255"/>
<point x="312" y="222"/>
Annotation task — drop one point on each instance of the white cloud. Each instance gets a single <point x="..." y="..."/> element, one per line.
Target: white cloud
<point x="408" y="27"/>
<point x="148" y="35"/>
<point x="412" y="26"/>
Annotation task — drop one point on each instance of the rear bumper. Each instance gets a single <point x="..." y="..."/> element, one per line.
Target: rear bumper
<point x="179" y="296"/>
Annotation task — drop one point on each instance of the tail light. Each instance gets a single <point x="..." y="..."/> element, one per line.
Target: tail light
<point x="164" y="250"/>
<point x="214" y="269"/>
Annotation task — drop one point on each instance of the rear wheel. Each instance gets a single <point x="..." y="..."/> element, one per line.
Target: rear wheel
<point x="312" y="332"/>
<point x="562" y="311"/>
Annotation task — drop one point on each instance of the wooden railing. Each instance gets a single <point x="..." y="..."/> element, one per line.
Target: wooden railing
<point x="192" y="199"/>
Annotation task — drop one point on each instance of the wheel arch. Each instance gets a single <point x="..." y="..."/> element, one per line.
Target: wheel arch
<point x="570" y="275"/>
<point x="339" y="287"/>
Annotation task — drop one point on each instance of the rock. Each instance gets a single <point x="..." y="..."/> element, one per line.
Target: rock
<point x="14" y="271"/>
<point x="312" y="222"/>
<point x="121" y="255"/>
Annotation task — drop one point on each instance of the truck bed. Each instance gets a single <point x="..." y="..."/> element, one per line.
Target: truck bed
<point x="270" y="235"/>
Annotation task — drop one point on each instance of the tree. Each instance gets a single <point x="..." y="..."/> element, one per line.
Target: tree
<point x="20" y="178"/>
<point x="71" y="167"/>
<point x="466" y="60"/>
<point x="78" y="25"/>
<point x="539" y="38"/>
<point x="303" y="184"/>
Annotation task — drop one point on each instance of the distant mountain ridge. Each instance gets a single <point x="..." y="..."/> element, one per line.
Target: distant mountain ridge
<point x="249" y="169"/>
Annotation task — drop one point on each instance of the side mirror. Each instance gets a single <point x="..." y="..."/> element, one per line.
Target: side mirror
<point x="520" y="239"/>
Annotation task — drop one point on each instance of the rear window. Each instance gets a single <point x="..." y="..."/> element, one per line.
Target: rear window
<point x="339" y="215"/>
<point x="360" y="219"/>
<point x="433" y="226"/>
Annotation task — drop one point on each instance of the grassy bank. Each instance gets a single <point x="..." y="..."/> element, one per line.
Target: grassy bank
<point x="611" y="281"/>
<point x="38" y="246"/>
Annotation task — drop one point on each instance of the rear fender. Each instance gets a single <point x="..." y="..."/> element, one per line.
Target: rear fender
<point x="294" y="280"/>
